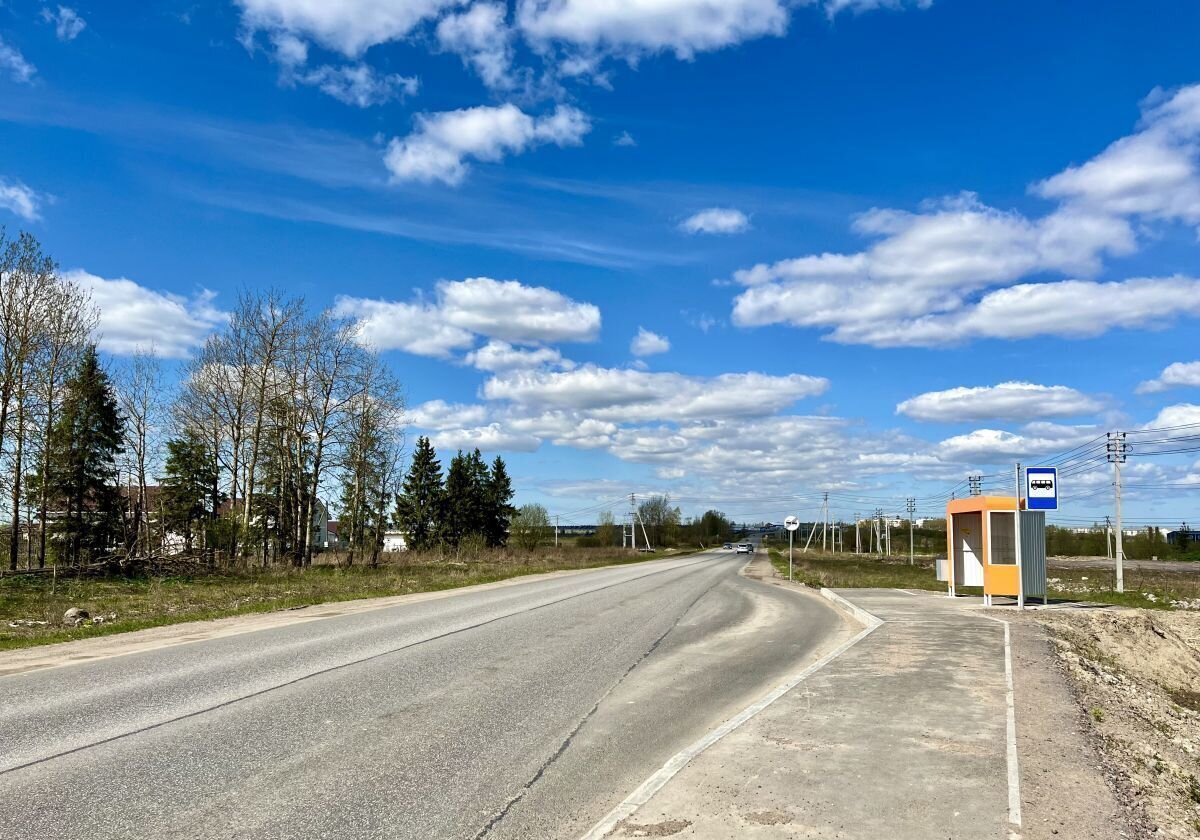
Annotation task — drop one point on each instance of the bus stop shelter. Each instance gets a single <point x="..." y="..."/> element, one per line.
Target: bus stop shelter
<point x="981" y="543"/>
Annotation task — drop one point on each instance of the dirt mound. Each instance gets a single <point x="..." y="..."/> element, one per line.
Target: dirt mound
<point x="1137" y="673"/>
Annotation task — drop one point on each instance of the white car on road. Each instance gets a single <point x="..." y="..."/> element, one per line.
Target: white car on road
<point x="745" y="548"/>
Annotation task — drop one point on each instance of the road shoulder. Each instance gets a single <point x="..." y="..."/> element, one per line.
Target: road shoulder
<point x="41" y="657"/>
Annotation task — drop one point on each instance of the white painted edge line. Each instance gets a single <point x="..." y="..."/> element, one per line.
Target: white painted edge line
<point x="646" y="790"/>
<point x="1014" y="772"/>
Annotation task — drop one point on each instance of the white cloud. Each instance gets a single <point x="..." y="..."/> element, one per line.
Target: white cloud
<point x="499" y="356"/>
<point x="1176" y="375"/>
<point x="346" y="26"/>
<point x="646" y="343"/>
<point x="442" y="143"/>
<point x="994" y="446"/>
<point x="1152" y="173"/>
<point x="20" y="200"/>
<point x="629" y="396"/>
<point x="931" y="277"/>
<point x="506" y="310"/>
<point x="11" y="60"/>
<point x="511" y="311"/>
<point x="439" y="414"/>
<point x="482" y="37"/>
<point x="134" y="318"/>
<point x="358" y="84"/>
<point x="834" y="7"/>
<point x="716" y="220"/>
<point x="412" y="327"/>
<point x="1006" y="401"/>
<point x="1182" y="414"/>
<point x="632" y="27"/>
<point x="624" y="139"/>
<point x="490" y="438"/>
<point x="67" y="23"/>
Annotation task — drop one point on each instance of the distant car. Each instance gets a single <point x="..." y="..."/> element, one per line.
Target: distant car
<point x="728" y="546"/>
<point x="745" y="548"/>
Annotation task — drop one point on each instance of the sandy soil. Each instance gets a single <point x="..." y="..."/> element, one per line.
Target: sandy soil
<point x="1135" y="674"/>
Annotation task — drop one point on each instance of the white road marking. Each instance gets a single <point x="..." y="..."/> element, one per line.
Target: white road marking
<point x="1014" y="773"/>
<point x="664" y="774"/>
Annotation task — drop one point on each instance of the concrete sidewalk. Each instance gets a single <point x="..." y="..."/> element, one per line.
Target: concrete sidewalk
<point x="904" y="736"/>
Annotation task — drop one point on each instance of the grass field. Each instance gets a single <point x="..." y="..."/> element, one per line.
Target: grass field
<point x="1153" y="589"/>
<point x="135" y="603"/>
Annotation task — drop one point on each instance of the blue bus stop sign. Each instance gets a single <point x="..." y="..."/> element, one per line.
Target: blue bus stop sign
<point x="1041" y="488"/>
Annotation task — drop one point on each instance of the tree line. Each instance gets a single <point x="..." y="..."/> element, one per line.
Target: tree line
<point x="281" y="407"/>
<point x="470" y="507"/>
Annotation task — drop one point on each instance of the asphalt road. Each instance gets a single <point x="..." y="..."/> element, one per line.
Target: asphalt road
<point x="519" y="712"/>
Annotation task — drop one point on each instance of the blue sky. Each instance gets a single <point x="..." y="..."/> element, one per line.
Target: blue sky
<point x="828" y="219"/>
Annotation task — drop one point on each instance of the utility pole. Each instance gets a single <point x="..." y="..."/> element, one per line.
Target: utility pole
<point x="1117" y="450"/>
<point x="976" y="484"/>
<point x="857" y="538"/>
<point x="556" y="530"/>
<point x="825" y="523"/>
<point x="912" y="512"/>
<point x="1108" y="537"/>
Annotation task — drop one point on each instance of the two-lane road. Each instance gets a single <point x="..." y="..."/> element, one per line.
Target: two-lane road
<point x="524" y="711"/>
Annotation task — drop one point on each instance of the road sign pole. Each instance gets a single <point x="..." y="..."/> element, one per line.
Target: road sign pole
<point x="790" y="535"/>
<point x="1017" y="535"/>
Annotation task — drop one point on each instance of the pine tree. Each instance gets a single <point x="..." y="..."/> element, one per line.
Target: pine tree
<point x="419" y="506"/>
<point x="84" y="445"/>
<point x="191" y="472"/>
<point x="499" y="505"/>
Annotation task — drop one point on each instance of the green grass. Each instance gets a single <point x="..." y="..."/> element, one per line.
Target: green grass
<point x="1144" y="588"/>
<point x="143" y="602"/>
<point x="853" y="571"/>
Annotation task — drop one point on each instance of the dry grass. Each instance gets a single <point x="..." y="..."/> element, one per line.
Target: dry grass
<point x="138" y="602"/>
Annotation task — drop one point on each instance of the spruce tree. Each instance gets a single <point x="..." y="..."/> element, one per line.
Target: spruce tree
<point x="84" y="445"/>
<point x="191" y="472"/>
<point x="456" y="509"/>
<point x="499" y="504"/>
<point x="419" y="506"/>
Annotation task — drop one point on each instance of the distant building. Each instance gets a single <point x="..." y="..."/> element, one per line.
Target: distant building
<point x="1192" y="536"/>
<point x="394" y="541"/>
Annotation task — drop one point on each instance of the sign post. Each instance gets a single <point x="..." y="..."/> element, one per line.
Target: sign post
<point x="791" y="523"/>
<point x="1041" y="493"/>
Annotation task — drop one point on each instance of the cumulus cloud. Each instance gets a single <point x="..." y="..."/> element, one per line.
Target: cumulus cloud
<point x="946" y="273"/>
<point x="490" y="438"/>
<point x="442" y="143"/>
<point x="439" y="414"/>
<point x="67" y="22"/>
<point x="634" y="27"/>
<point x="993" y="446"/>
<point x="1006" y="401"/>
<point x="482" y="37"/>
<point x="624" y="139"/>
<point x="716" y="220"/>
<point x="347" y="26"/>
<point x="20" y="200"/>
<point x="15" y="64"/>
<point x="1176" y="375"/>
<point x="504" y="310"/>
<point x="134" y="318"/>
<point x="624" y="395"/>
<point x="1181" y="414"/>
<point x="415" y="328"/>
<point x="499" y="356"/>
<point x="357" y="84"/>
<point x="646" y="343"/>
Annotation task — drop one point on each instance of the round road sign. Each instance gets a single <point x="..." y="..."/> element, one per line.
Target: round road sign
<point x="791" y="523"/>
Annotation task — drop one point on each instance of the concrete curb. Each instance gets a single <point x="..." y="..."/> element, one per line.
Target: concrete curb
<point x="863" y="617"/>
